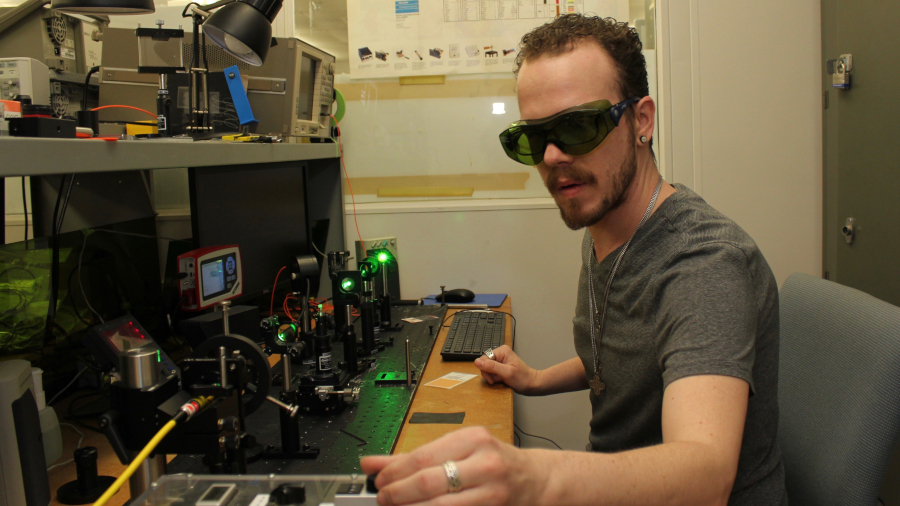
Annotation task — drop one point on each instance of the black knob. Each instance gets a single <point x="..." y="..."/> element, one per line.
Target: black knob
<point x="370" y="484"/>
<point x="288" y="494"/>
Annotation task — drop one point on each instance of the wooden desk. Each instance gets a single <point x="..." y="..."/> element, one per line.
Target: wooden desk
<point x="484" y="405"/>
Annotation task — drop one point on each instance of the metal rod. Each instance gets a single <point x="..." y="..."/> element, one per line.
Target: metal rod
<point x="287" y="407"/>
<point x="286" y="372"/>
<point x="384" y="279"/>
<point x="223" y="366"/>
<point x="226" y="325"/>
<point x="408" y="367"/>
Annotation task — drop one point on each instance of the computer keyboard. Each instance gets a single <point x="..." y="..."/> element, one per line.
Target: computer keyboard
<point x="473" y="332"/>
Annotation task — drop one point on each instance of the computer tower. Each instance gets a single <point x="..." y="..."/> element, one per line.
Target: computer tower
<point x="24" y="467"/>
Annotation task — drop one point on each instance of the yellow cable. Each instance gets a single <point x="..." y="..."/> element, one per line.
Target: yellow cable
<point x="111" y="491"/>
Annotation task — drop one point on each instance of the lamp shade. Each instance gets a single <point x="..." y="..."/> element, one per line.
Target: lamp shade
<point x="115" y="7"/>
<point x="242" y="30"/>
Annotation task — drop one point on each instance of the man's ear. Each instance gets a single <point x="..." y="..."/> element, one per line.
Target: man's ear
<point x="644" y="118"/>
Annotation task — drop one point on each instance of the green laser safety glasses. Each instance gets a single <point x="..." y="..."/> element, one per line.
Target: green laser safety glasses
<point x="575" y="131"/>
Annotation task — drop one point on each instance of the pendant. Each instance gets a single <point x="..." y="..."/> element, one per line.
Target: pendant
<point x="596" y="385"/>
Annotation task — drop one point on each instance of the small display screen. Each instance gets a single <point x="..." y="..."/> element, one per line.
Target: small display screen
<point x="126" y="337"/>
<point x="213" y="274"/>
<point x="307" y="88"/>
<point x="218" y="275"/>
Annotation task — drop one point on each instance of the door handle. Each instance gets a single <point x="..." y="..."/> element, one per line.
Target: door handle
<point x="849" y="230"/>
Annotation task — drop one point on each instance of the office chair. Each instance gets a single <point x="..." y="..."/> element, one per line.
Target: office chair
<point x="838" y="392"/>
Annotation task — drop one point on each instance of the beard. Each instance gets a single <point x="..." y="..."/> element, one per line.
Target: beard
<point x="570" y="209"/>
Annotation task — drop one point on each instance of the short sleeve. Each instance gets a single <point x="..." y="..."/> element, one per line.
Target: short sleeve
<point x="708" y="316"/>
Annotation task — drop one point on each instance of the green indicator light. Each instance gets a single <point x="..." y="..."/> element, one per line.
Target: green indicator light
<point x="382" y="257"/>
<point x="158" y="356"/>
<point x="347" y="284"/>
<point x="320" y="307"/>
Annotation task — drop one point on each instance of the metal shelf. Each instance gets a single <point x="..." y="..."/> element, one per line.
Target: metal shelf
<point x="23" y="156"/>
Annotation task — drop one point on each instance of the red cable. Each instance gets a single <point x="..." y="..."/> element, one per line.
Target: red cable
<point x="352" y="198"/>
<point x="272" y="304"/>
<point x="124" y="107"/>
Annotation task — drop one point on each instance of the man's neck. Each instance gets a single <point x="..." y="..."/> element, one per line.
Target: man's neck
<point x="620" y="224"/>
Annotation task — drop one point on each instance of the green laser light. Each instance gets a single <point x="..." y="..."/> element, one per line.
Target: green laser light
<point x="382" y="257"/>
<point x="347" y="284"/>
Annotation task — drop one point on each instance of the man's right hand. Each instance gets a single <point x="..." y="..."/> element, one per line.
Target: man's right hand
<point x="508" y="368"/>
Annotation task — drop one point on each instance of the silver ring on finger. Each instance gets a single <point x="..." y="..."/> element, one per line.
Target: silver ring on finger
<point x="453" y="482"/>
<point x="489" y="353"/>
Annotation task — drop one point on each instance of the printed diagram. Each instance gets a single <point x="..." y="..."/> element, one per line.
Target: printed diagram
<point x="489" y="52"/>
<point x="365" y="54"/>
<point x="508" y="51"/>
<point x="381" y="55"/>
<point x="454" y="50"/>
<point x="472" y="50"/>
<point x="417" y="54"/>
<point x="436" y="52"/>
<point x="401" y="55"/>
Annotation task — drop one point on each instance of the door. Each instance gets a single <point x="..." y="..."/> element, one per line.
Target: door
<point x="862" y="158"/>
<point x="862" y="147"/>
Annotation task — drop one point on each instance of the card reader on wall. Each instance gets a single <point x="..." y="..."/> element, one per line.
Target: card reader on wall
<point x="209" y="275"/>
<point x="239" y="96"/>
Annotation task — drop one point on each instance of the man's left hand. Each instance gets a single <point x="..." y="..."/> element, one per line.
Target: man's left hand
<point x="490" y="472"/>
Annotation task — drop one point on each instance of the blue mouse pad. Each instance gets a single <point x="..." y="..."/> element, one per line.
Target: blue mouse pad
<point x="491" y="299"/>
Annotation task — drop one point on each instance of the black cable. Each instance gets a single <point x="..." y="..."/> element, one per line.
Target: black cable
<point x="25" y="206"/>
<point x="538" y="437"/>
<point x="54" y="266"/>
<point x="65" y="205"/>
<point x="87" y="84"/>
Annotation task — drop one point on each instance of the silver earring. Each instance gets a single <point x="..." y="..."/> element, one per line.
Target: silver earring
<point x="643" y="139"/>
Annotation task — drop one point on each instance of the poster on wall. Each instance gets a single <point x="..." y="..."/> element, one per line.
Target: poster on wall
<point x="392" y="38"/>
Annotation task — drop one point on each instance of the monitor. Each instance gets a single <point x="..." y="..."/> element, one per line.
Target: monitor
<point x="263" y="209"/>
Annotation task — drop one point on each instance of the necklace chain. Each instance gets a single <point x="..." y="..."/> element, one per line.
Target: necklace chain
<point x="596" y="383"/>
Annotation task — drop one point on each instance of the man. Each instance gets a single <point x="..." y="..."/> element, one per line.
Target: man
<point x="676" y="325"/>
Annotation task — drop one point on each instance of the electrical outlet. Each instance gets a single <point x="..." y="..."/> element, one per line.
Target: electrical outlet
<point x="388" y="243"/>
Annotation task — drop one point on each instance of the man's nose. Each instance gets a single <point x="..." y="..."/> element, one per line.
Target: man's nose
<point x="554" y="156"/>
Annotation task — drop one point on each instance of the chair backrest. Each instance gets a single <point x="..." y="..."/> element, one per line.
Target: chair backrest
<point x="838" y="392"/>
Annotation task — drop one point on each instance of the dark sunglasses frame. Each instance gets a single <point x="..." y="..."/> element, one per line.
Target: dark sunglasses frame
<point x="544" y="131"/>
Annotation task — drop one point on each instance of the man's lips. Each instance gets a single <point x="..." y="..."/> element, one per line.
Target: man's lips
<point x="568" y="188"/>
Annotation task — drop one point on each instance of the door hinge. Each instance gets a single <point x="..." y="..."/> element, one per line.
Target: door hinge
<point x="825" y="99"/>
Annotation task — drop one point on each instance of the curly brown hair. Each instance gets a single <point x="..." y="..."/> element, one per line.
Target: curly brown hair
<point x="621" y="42"/>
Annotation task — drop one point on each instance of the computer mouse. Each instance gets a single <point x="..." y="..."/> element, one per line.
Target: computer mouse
<point x="457" y="295"/>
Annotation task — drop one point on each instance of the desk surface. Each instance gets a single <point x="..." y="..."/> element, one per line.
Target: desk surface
<point x="24" y="156"/>
<point x="484" y="405"/>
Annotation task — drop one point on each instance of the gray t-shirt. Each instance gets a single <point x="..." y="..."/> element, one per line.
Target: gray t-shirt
<point x="693" y="295"/>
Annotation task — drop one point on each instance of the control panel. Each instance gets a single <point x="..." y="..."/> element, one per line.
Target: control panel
<point x="260" y="490"/>
<point x="24" y="76"/>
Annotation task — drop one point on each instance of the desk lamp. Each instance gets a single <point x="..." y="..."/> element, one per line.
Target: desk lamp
<point x="243" y="28"/>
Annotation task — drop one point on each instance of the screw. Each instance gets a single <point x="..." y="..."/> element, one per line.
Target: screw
<point x="221" y="423"/>
<point x="231" y="75"/>
<point x="222" y="442"/>
<point x="306" y="447"/>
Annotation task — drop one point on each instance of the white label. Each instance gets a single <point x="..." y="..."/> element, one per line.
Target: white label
<point x="260" y="500"/>
<point x="325" y="361"/>
<point x="67" y="53"/>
